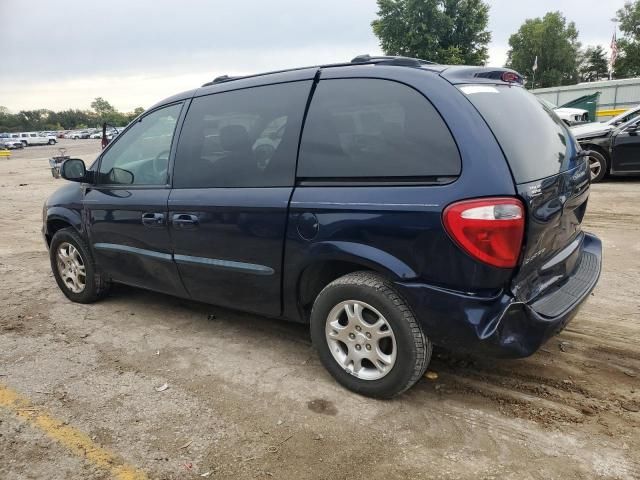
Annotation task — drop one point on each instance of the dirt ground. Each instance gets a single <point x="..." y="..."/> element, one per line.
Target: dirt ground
<point x="247" y="397"/>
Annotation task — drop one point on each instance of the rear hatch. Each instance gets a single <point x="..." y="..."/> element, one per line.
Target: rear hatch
<point x="551" y="179"/>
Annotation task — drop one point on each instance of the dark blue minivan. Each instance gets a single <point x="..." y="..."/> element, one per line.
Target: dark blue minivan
<point x="389" y="202"/>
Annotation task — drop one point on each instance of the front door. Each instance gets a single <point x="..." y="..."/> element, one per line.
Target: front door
<point x="233" y="177"/>
<point x="126" y="211"/>
<point x="626" y="150"/>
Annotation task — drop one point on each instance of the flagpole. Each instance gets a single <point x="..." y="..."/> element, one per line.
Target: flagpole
<point x="614" y="49"/>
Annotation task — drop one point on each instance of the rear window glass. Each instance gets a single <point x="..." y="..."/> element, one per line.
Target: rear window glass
<point x="368" y="128"/>
<point x="535" y="141"/>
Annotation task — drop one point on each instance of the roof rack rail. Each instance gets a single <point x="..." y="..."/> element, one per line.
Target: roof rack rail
<point x="391" y="60"/>
<point x="221" y="79"/>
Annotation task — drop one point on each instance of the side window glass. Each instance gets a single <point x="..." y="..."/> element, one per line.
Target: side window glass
<point x="140" y="156"/>
<point x="242" y="138"/>
<point x="360" y="128"/>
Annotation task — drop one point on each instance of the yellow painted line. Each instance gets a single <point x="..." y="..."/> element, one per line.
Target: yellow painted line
<point x="76" y="441"/>
<point x="611" y="113"/>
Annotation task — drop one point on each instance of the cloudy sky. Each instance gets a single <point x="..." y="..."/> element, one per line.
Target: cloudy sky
<point x="63" y="54"/>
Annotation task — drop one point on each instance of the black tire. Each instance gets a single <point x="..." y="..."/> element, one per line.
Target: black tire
<point x="413" y="347"/>
<point x="596" y="158"/>
<point x="96" y="286"/>
<point x="52" y="141"/>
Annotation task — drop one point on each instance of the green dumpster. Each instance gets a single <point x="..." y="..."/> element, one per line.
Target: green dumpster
<point x="586" y="102"/>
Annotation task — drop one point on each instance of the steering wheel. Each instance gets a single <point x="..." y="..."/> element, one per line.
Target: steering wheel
<point x="151" y="171"/>
<point x="160" y="163"/>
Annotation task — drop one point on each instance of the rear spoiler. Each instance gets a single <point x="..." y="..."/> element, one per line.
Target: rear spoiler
<point x="463" y="74"/>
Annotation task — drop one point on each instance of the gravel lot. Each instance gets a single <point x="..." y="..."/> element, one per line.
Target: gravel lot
<point x="248" y="398"/>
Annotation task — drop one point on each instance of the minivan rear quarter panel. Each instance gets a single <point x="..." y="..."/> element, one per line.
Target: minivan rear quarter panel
<point x="397" y="229"/>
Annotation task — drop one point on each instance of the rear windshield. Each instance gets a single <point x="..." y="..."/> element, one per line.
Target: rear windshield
<point x="535" y="141"/>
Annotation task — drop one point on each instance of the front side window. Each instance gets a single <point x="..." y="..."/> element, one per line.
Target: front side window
<point x="371" y="128"/>
<point x="242" y="138"/>
<point x="140" y="156"/>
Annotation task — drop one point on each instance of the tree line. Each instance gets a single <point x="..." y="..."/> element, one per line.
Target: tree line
<point x="72" y="119"/>
<point x="454" y="32"/>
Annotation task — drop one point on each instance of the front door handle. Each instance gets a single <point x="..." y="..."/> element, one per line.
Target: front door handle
<point x="184" y="220"/>
<point x="153" y="219"/>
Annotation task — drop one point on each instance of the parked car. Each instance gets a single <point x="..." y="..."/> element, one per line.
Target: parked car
<point x="35" y="138"/>
<point x="614" y="150"/>
<point x="80" y="134"/>
<point x="10" y="141"/>
<point x="601" y="128"/>
<point x="570" y="116"/>
<point x="420" y="204"/>
<point x="110" y="133"/>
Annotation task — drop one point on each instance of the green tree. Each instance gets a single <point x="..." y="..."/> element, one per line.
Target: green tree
<point x="554" y="42"/>
<point x="102" y="107"/>
<point x="442" y="31"/>
<point x="105" y="112"/>
<point x="131" y="115"/>
<point x="594" y="64"/>
<point x="43" y="119"/>
<point x="628" y="62"/>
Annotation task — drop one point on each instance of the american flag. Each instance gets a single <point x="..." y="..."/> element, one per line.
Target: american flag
<point x="614" y="50"/>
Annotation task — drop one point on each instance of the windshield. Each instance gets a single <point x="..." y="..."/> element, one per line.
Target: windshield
<point x="535" y="142"/>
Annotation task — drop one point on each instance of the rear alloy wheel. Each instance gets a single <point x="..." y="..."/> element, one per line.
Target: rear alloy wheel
<point x="367" y="336"/>
<point x="361" y="340"/>
<point x="52" y="141"/>
<point x="597" y="166"/>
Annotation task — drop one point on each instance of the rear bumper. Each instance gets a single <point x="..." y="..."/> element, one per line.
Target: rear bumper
<point x="500" y="326"/>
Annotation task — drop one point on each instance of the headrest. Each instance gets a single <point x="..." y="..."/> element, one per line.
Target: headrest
<point x="234" y="138"/>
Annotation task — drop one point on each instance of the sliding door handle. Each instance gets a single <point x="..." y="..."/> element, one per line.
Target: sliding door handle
<point x="184" y="220"/>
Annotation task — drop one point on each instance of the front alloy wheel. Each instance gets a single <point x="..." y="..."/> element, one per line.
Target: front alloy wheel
<point x="71" y="267"/>
<point x="74" y="269"/>
<point x="597" y="166"/>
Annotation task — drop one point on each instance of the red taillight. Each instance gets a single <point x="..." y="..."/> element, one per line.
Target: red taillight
<point x="488" y="229"/>
<point x="511" y="77"/>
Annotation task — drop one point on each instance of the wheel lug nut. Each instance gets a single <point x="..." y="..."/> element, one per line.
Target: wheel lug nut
<point x="358" y="328"/>
<point x="358" y="347"/>
<point x="368" y="347"/>
<point x="352" y="336"/>
<point x="368" y="335"/>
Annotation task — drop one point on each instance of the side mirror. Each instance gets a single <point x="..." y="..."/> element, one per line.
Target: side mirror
<point x="120" y="176"/>
<point x="632" y="128"/>
<point x="73" y="170"/>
